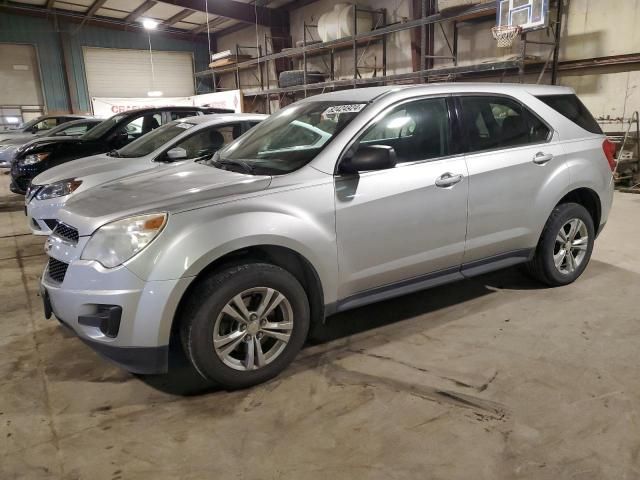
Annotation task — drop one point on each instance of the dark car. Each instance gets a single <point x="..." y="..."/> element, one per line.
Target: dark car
<point x="38" y="125"/>
<point x="111" y="134"/>
<point x="74" y="128"/>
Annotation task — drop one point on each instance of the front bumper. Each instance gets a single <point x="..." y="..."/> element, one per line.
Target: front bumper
<point x="144" y="324"/>
<point x="21" y="175"/>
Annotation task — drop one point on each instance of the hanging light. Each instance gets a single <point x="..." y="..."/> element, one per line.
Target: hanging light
<point x="149" y="24"/>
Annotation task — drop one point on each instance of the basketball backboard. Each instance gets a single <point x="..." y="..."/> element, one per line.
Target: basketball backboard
<point x="526" y="14"/>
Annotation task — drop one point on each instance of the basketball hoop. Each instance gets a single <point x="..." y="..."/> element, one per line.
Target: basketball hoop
<point x="505" y="35"/>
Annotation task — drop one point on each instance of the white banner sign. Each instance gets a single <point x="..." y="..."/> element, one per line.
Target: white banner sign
<point x="230" y="99"/>
<point x="106" y="107"/>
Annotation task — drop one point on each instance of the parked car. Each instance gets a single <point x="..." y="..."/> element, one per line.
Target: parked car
<point x="235" y="257"/>
<point x="75" y="128"/>
<point x="38" y="125"/>
<point x="172" y="144"/>
<point x="111" y="134"/>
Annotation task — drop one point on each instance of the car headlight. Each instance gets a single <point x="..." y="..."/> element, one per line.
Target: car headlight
<point x="116" y="242"/>
<point x="34" y="158"/>
<point x="58" y="189"/>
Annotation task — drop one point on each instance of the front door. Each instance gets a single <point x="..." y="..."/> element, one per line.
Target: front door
<point x="405" y="222"/>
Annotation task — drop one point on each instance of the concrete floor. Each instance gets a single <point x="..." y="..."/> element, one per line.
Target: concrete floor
<point x="494" y="378"/>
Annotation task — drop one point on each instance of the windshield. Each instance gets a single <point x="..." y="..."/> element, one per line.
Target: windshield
<point x="289" y="139"/>
<point x="99" y="130"/>
<point x="154" y="139"/>
<point x="29" y="124"/>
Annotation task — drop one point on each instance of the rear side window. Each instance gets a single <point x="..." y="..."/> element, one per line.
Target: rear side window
<point x="571" y="107"/>
<point x="499" y="122"/>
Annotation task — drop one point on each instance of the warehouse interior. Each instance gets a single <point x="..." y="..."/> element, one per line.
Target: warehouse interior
<point x="494" y="376"/>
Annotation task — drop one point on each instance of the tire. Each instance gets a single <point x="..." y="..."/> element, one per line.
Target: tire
<point x="203" y="317"/>
<point x="550" y="248"/>
<point x="292" y="78"/>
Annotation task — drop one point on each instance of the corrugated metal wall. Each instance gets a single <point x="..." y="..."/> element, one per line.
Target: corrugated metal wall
<point x="44" y="34"/>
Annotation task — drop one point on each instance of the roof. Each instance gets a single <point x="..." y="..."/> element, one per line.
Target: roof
<point x="165" y="108"/>
<point x="223" y="118"/>
<point x="369" y="94"/>
<point x="181" y="17"/>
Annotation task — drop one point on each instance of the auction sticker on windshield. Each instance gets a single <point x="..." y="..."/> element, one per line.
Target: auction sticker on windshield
<point x="349" y="108"/>
<point x="184" y="125"/>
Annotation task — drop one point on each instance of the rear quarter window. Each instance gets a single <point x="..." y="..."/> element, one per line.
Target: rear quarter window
<point x="571" y="107"/>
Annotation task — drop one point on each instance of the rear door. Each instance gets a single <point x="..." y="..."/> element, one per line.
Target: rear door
<point x="516" y="167"/>
<point x="404" y="222"/>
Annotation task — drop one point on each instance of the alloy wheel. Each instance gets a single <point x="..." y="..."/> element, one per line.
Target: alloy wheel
<point x="570" y="247"/>
<point x="253" y="328"/>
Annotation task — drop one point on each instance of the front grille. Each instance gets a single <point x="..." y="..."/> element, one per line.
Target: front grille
<point x="66" y="232"/>
<point x="57" y="269"/>
<point x="50" y="222"/>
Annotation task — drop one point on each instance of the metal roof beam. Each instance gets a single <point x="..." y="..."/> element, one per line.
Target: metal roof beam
<point x="243" y="12"/>
<point x="95" y="6"/>
<point x="181" y="15"/>
<point x="137" y="13"/>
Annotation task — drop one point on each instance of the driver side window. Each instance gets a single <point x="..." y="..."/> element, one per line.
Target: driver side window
<point x="46" y="124"/>
<point x="416" y="130"/>
<point x="134" y="129"/>
<point x="207" y="142"/>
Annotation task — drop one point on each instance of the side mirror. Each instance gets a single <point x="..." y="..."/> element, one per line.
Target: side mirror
<point x="369" y="157"/>
<point x="177" y="153"/>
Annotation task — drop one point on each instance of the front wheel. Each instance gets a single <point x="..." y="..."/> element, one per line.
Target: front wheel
<point x="243" y="325"/>
<point x="565" y="246"/>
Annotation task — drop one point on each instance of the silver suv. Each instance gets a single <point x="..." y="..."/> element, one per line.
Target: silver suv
<point x="235" y="257"/>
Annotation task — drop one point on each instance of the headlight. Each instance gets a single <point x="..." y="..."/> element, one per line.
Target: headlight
<point x="116" y="242"/>
<point x="58" y="189"/>
<point x="34" y="158"/>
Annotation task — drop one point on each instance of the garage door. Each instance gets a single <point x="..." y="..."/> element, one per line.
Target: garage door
<point x="20" y="91"/>
<point x="127" y="73"/>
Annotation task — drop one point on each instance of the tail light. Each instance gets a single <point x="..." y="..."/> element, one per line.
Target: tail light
<point x="610" y="152"/>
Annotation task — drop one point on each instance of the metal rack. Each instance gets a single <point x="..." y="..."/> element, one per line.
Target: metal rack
<point x="425" y="73"/>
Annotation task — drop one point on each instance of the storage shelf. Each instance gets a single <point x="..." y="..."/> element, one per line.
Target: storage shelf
<point x="471" y="13"/>
<point x="434" y="72"/>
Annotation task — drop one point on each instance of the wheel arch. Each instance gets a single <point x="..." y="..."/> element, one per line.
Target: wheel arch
<point x="589" y="199"/>
<point x="284" y="257"/>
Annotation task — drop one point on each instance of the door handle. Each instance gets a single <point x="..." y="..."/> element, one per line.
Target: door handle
<point x="448" y="180"/>
<point x="541" y="158"/>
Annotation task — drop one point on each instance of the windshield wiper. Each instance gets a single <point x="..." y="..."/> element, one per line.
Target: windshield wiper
<point x="221" y="163"/>
<point x="114" y="153"/>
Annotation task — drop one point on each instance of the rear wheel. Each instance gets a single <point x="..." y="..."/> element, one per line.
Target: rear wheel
<point x="245" y="324"/>
<point x="565" y="247"/>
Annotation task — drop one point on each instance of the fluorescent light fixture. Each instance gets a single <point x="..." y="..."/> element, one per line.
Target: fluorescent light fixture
<point x="154" y="93"/>
<point x="149" y="24"/>
<point x="13" y="120"/>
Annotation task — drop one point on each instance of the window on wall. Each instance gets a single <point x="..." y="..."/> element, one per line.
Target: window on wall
<point x="499" y="122"/>
<point x="416" y="130"/>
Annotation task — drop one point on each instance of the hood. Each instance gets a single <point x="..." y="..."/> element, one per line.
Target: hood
<point x="171" y="189"/>
<point x="40" y="143"/>
<point x="13" y="134"/>
<point x="82" y="168"/>
<point x="17" y="139"/>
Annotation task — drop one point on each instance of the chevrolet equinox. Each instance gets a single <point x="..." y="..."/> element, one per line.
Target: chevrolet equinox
<point x="334" y="202"/>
